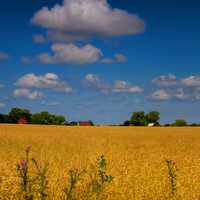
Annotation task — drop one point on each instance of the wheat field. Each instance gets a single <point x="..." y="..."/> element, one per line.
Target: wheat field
<point x="136" y="158"/>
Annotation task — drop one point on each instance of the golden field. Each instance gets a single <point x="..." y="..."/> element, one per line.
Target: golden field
<point x="136" y="158"/>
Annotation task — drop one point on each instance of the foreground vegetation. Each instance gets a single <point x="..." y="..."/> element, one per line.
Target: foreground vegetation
<point x="64" y="163"/>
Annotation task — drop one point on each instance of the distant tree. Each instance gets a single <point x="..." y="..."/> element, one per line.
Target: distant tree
<point x="167" y="125"/>
<point x="138" y="119"/>
<point x="91" y="122"/>
<point x="65" y="123"/>
<point x="47" y="118"/>
<point x="194" y="124"/>
<point x="180" y="122"/>
<point x="127" y="123"/>
<point x="16" y="113"/>
<point x="153" y="117"/>
<point x="39" y="118"/>
<point x="58" y="119"/>
<point x="4" y="118"/>
<point x="73" y="123"/>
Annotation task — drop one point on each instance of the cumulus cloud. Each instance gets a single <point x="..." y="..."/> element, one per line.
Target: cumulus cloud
<point x="191" y="81"/>
<point x="117" y="87"/>
<point x="171" y="80"/>
<point x="118" y="58"/>
<point x="27" y="93"/>
<point x="52" y="103"/>
<point x="165" y="80"/>
<point x="96" y="82"/>
<point x="2" y="105"/>
<point x="48" y="81"/>
<point x="39" y="39"/>
<point x="92" y="78"/>
<point x="26" y="60"/>
<point x="71" y="54"/>
<point x="160" y="95"/>
<point x="182" y="89"/>
<point x="180" y="94"/>
<point x="87" y="18"/>
<point x="123" y="86"/>
<point x="4" y="56"/>
<point x="1" y="86"/>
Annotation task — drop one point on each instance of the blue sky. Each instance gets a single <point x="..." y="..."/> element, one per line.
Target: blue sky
<point x="101" y="60"/>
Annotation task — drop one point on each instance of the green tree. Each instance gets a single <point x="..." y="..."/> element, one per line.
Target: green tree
<point x="47" y="118"/>
<point x="138" y="119"/>
<point x="126" y="123"/>
<point x="180" y="122"/>
<point x="153" y="117"/>
<point x="73" y="123"/>
<point x="16" y="113"/>
<point x="91" y="122"/>
<point x="4" y="118"/>
<point x="59" y="119"/>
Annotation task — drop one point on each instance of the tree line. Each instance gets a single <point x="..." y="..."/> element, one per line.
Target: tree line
<point x="45" y="117"/>
<point x="141" y="118"/>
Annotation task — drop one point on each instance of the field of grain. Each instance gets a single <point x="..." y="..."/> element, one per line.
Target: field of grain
<point x="136" y="158"/>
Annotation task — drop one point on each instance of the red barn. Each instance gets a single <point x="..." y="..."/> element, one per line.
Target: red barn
<point x="85" y="123"/>
<point x="22" y="120"/>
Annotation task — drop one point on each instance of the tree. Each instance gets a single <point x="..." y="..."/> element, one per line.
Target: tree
<point x="59" y="119"/>
<point x="47" y="118"/>
<point x="138" y="119"/>
<point x="153" y="117"/>
<point x="126" y="123"/>
<point x="16" y="113"/>
<point x="73" y="123"/>
<point x="4" y="118"/>
<point x="180" y="122"/>
<point x="91" y="122"/>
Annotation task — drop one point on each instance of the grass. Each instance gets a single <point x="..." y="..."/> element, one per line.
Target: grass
<point x="137" y="159"/>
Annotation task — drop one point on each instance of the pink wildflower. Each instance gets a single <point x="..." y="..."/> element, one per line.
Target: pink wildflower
<point x="174" y="162"/>
<point x="22" y="164"/>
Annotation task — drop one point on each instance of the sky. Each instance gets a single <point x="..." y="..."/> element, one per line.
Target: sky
<point x="101" y="60"/>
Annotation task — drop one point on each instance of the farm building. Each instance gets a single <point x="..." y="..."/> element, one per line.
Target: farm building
<point x="85" y="123"/>
<point x="151" y="124"/>
<point x="22" y="120"/>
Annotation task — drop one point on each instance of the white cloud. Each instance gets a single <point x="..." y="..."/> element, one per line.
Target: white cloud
<point x="165" y="80"/>
<point x="118" y="58"/>
<point x="180" y="94"/>
<point x="26" y="60"/>
<point x="2" y="105"/>
<point x="53" y="103"/>
<point x="191" y="81"/>
<point x="48" y="81"/>
<point x="39" y="39"/>
<point x="181" y="89"/>
<point x="71" y="54"/>
<point x="92" y="78"/>
<point x="161" y="95"/>
<point x="97" y="83"/>
<point x="123" y="86"/>
<point x="168" y="94"/>
<point x="27" y="93"/>
<point x="3" y="56"/>
<point x="45" y="58"/>
<point x="171" y="80"/>
<point x="1" y="86"/>
<point x="88" y="18"/>
<point x="117" y="87"/>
